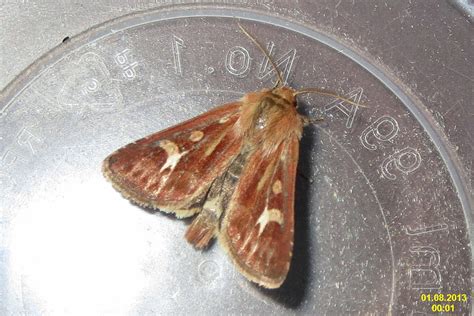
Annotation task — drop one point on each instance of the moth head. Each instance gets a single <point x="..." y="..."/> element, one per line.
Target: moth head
<point x="286" y="93"/>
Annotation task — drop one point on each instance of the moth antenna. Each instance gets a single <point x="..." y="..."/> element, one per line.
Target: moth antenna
<point x="264" y="51"/>
<point x="327" y="93"/>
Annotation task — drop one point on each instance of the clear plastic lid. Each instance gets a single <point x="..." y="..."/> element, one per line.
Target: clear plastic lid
<point x="380" y="204"/>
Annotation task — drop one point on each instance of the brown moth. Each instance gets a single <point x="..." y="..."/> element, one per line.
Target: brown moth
<point x="235" y="168"/>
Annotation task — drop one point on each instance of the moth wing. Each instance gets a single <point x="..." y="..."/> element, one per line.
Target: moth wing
<point x="173" y="169"/>
<point x="257" y="229"/>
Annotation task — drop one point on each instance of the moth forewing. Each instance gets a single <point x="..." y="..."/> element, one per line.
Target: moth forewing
<point x="258" y="226"/>
<point x="172" y="170"/>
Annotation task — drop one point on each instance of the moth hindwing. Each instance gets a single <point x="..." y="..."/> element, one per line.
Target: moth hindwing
<point x="235" y="167"/>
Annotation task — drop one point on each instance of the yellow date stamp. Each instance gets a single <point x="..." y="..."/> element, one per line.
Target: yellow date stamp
<point x="443" y="302"/>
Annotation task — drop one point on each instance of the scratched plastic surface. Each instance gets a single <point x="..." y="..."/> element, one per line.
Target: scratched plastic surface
<point x="378" y="217"/>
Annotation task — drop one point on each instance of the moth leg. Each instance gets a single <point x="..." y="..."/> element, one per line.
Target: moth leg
<point x="315" y="120"/>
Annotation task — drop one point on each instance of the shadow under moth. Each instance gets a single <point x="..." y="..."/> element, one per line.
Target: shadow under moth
<point x="234" y="169"/>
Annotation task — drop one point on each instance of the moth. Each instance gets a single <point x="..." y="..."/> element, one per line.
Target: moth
<point x="234" y="167"/>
